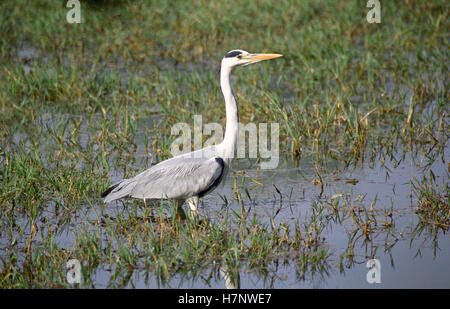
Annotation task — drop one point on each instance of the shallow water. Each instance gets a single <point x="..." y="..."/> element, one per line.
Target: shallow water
<point x="408" y="259"/>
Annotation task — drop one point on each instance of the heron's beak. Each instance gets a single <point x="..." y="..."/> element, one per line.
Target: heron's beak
<point x="253" y="58"/>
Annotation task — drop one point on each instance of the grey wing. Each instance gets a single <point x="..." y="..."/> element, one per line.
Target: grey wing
<point x="176" y="178"/>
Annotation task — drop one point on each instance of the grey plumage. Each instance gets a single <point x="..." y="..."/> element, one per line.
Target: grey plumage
<point x="178" y="178"/>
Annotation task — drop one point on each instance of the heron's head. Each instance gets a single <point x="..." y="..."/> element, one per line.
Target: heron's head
<point x="239" y="57"/>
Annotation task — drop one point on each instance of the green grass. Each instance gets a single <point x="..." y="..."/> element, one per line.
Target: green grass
<point x="82" y="103"/>
<point x="433" y="206"/>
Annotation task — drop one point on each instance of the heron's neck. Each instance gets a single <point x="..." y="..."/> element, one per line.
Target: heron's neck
<point x="231" y="129"/>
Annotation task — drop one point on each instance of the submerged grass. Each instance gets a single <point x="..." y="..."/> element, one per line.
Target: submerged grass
<point x="163" y="247"/>
<point x="433" y="203"/>
<point x="83" y="103"/>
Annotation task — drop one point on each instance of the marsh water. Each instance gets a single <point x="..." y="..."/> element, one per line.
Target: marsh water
<point x="411" y="255"/>
<point x="408" y="259"/>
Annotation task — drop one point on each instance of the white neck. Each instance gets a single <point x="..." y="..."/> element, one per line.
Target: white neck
<point x="228" y="145"/>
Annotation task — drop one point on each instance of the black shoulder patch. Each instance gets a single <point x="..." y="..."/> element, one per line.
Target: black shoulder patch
<point x="220" y="161"/>
<point x="217" y="181"/>
<point x="108" y="191"/>
<point x="233" y="53"/>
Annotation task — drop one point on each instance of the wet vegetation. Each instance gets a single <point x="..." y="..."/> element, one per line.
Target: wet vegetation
<point x="363" y="116"/>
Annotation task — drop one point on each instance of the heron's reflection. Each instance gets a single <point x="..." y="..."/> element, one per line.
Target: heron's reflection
<point x="232" y="278"/>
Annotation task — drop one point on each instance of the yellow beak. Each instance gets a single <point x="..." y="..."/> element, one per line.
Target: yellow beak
<point x="260" y="57"/>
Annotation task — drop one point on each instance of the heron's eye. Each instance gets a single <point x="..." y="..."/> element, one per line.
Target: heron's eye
<point x="239" y="56"/>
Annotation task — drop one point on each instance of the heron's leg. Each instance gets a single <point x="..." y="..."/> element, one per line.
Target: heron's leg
<point x="180" y="212"/>
<point x="147" y="209"/>
<point x="193" y="205"/>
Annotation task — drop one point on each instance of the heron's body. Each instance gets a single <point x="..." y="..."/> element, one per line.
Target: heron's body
<point x="192" y="175"/>
<point x="178" y="178"/>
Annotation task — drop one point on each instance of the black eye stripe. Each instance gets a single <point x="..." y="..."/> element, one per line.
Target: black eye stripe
<point x="233" y="53"/>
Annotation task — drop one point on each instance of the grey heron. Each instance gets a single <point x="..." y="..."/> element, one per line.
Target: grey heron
<point x="190" y="176"/>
